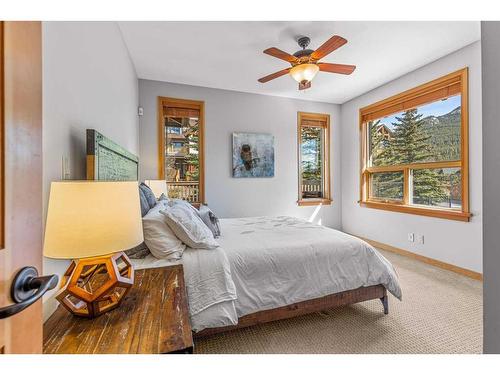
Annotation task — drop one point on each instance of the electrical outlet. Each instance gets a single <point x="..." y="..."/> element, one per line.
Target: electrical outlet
<point x="411" y="237"/>
<point x="420" y="239"/>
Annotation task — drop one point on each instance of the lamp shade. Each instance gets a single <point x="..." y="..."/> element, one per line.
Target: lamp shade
<point x="157" y="186"/>
<point x="88" y="219"/>
<point x="304" y="72"/>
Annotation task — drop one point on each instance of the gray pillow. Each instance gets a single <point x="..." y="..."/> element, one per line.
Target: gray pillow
<point x="189" y="228"/>
<point x="210" y="220"/>
<point x="139" y="252"/>
<point x="144" y="203"/>
<point x="148" y="193"/>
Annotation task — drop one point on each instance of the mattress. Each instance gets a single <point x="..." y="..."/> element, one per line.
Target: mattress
<point x="277" y="261"/>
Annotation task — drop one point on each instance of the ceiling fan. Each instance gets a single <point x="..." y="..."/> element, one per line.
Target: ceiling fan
<point x="305" y="62"/>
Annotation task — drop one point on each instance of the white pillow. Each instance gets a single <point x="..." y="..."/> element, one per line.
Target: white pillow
<point x="159" y="238"/>
<point x="174" y="202"/>
<point x="189" y="228"/>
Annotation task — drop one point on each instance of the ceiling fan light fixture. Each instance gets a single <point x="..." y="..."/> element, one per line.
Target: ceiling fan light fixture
<point x="304" y="72"/>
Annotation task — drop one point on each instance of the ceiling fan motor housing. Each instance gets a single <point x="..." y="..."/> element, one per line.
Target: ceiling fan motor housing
<point x="303" y="53"/>
<point x="303" y="43"/>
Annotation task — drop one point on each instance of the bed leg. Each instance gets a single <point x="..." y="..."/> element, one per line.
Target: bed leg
<point x="385" y="303"/>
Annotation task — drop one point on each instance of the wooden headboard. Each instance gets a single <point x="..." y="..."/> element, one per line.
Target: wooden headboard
<point x="108" y="161"/>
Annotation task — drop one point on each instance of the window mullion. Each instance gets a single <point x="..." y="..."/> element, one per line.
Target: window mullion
<point x="423" y="165"/>
<point x="407" y="186"/>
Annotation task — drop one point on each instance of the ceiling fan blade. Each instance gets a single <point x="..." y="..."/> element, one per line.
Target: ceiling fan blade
<point x="305" y="85"/>
<point x="329" y="46"/>
<point x="274" y="75"/>
<point x="336" y="68"/>
<point x="275" y="52"/>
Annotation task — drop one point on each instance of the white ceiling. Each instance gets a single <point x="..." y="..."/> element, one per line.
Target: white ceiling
<point x="228" y="55"/>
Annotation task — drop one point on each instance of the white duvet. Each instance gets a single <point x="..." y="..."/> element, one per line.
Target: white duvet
<point x="277" y="261"/>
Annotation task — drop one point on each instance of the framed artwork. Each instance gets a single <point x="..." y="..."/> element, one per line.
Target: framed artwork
<point x="253" y="155"/>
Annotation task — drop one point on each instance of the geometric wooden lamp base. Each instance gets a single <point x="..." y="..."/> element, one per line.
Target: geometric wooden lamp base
<point x="92" y="286"/>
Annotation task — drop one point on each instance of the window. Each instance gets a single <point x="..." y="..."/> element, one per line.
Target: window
<point x="180" y="130"/>
<point x="313" y="135"/>
<point x="414" y="150"/>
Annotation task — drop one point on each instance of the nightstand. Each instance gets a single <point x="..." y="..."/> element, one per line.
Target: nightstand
<point x="152" y="319"/>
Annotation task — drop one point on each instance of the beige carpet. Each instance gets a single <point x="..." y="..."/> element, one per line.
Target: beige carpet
<point x="441" y="312"/>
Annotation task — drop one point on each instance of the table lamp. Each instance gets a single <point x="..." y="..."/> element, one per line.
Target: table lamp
<point x="157" y="187"/>
<point x="92" y="223"/>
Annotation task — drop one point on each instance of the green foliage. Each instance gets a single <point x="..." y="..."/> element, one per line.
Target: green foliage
<point x="376" y="142"/>
<point x="311" y="144"/>
<point x="415" y="140"/>
<point x="192" y="157"/>
<point x="388" y="185"/>
<point x="409" y="142"/>
<point x="444" y="134"/>
<point x="310" y="171"/>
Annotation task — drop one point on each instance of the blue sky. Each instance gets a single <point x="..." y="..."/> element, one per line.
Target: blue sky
<point x="438" y="108"/>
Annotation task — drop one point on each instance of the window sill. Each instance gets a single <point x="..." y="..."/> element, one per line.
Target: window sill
<point x="314" y="202"/>
<point x="423" y="211"/>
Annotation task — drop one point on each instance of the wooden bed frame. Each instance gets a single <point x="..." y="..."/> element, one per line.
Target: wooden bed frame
<point x="106" y="160"/>
<point x="348" y="297"/>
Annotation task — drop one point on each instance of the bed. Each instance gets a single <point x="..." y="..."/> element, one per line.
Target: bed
<point x="267" y="268"/>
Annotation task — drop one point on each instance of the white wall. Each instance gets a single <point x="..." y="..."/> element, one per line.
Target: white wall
<point x="227" y="112"/>
<point x="88" y="82"/>
<point x="490" y="34"/>
<point x="453" y="242"/>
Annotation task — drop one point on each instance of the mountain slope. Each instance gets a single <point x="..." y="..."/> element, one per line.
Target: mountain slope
<point x="444" y="131"/>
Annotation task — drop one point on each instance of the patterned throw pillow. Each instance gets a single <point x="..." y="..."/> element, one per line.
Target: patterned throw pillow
<point x="189" y="228"/>
<point x="180" y="202"/>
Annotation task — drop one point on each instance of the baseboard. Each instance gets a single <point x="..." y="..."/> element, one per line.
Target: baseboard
<point x="433" y="262"/>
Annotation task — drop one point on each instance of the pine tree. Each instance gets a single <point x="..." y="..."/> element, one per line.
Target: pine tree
<point x="311" y="144"/>
<point x="408" y="145"/>
<point x="376" y="142"/>
<point x="384" y="185"/>
<point x="410" y="142"/>
<point x="308" y="171"/>
<point x="192" y="157"/>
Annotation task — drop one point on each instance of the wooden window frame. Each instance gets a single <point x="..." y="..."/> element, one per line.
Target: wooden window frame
<point x="449" y="85"/>
<point x="324" y="118"/>
<point x="189" y="104"/>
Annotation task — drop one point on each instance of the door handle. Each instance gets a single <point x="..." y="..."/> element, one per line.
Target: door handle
<point x="26" y="289"/>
